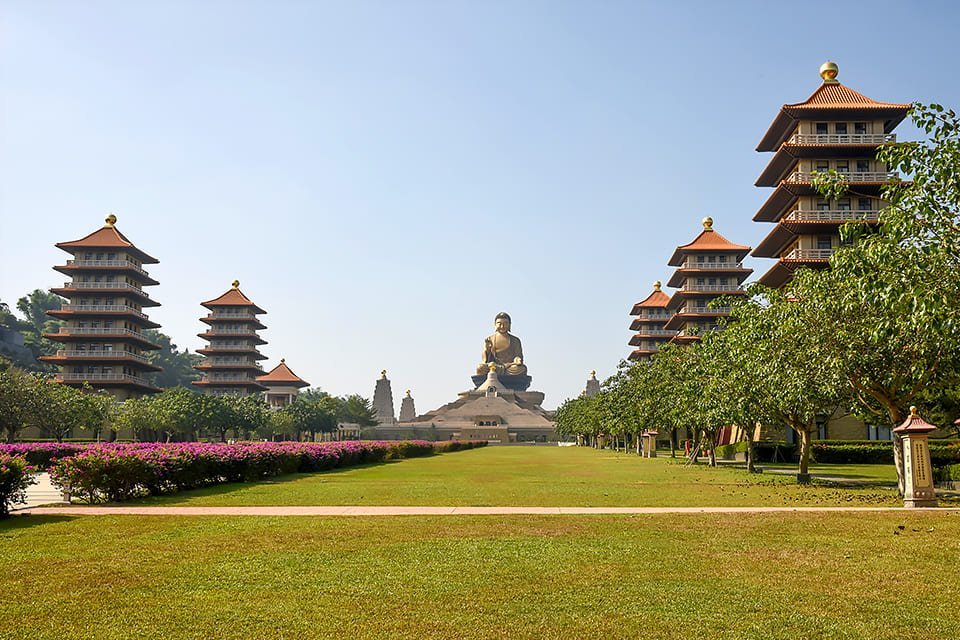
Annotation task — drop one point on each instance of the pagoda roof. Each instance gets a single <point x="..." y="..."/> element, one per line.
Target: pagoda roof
<point x="282" y="376"/>
<point x="657" y="299"/>
<point x="830" y="99"/>
<point x="708" y="240"/>
<point x="107" y="237"/>
<point x="233" y="297"/>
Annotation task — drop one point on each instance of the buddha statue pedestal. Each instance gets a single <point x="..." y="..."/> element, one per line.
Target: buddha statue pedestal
<point x="514" y="383"/>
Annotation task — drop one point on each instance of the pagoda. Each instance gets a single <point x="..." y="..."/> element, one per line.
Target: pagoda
<point x="836" y="129"/>
<point x="651" y="316"/>
<point x="282" y="385"/>
<point x="707" y="268"/>
<point x="103" y="338"/>
<point x="231" y="366"/>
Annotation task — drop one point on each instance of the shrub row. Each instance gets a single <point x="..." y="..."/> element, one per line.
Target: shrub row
<point x="118" y="472"/>
<point x="42" y="454"/>
<point x="15" y="476"/>
<point x="949" y="473"/>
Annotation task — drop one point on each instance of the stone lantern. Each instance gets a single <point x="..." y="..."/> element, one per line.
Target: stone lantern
<point x="918" y="488"/>
<point x="650" y="443"/>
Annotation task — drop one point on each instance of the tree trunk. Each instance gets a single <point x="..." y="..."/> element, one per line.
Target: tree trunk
<point x="710" y="439"/>
<point x="751" y="468"/>
<point x="673" y="443"/>
<point x="803" y="474"/>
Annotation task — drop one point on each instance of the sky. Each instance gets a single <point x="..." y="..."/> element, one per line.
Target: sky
<point x="385" y="177"/>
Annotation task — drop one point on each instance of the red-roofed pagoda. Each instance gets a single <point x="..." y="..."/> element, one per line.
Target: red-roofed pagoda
<point x="282" y="385"/>
<point x="103" y="336"/>
<point x="231" y="365"/>
<point x="837" y="129"/>
<point x="651" y="315"/>
<point x="707" y="268"/>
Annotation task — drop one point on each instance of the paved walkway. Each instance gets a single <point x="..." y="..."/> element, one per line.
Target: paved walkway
<point x="43" y="492"/>
<point x="433" y="511"/>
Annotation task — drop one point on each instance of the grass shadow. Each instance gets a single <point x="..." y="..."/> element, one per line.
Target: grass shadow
<point x="233" y="487"/>
<point x="18" y="521"/>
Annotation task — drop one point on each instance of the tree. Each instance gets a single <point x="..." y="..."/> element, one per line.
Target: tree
<point x="63" y="410"/>
<point x="19" y="401"/>
<point x="358" y="410"/>
<point x="34" y="307"/>
<point x="177" y="365"/>
<point x="246" y="415"/>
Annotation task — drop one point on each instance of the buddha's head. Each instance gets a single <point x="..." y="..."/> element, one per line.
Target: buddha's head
<point x="502" y="322"/>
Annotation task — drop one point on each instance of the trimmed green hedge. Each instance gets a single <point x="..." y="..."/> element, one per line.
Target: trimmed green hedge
<point x="950" y="473"/>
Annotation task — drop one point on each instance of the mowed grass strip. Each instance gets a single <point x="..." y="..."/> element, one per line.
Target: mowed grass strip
<point x="771" y="576"/>
<point x="542" y="476"/>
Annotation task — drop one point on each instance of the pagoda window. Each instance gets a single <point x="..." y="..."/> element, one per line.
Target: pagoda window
<point x="824" y="242"/>
<point x="840" y="128"/>
<point x="711" y="259"/>
<point x="701" y="281"/>
<point x="99" y="256"/>
<point x="863" y="166"/>
<point x="821" y="128"/>
<point x="860" y="128"/>
<point x="723" y="258"/>
<point x="843" y="167"/>
<point x="864" y="204"/>
<point x="108" y="324"/>
<point x="700" y="259"/>
<point x="843" y="204"/>
<point x="823" y="166"/>
<point x="712" y="281"/>
<point x="823" y="205"/>
<point x="98" y="278"/>
<point x="111" y="256"/>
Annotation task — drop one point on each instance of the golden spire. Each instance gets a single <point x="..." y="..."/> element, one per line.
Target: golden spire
<point x="913" y="412"/>
<point x="283" y="360"/>
<point x="383" y="373"/>
<point x="593" y="373"/>
<point x="235" y="284"/>
<point x="708" y="223"/>
<point x="493" y="367"/>
<point x="657" y="285"/>
<point x="828" y="71"/>
<point x="408" y="393"/>
<point x="110" y="220"/>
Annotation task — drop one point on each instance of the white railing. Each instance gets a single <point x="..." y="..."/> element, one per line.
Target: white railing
<point x="227" y="379"/>
<point x="832" y="215"/>
<point x="232" y="315"/>
<point x="102" y="377"/>
<point x="705" y="310"/>
<point x="98" y="331"/>
<point x="123" y="286"/>
<point x="710" y="266"/>
<point x="103" y="308"/>
<point x="230" y="347"/>
<point x="646" y="315"/>
<point x="848" y="176"/>
<point x="107" y="263"/>
<point x="101" y="355"/>
<point x="842" y="138"/>
<point x="808" y="254"/>
<point x="656" y="332"/>
<point x="212" y="331"/>
<point x="712" y="287"/>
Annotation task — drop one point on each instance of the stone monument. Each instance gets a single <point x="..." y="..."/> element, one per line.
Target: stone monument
<point x="383" y="400"/>
<point x="593" y="386"/>
<point x="503" y="350"/>
<point x="407" y="410"/>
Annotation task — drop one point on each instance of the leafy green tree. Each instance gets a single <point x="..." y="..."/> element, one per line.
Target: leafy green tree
<point x="246" y="415"/>
<point x="64" y="410"/>
<point x="34" y="307"/>
<point x="177" y="365"/>
<point x="358" y="410"/>
<point x="19" y="401"/>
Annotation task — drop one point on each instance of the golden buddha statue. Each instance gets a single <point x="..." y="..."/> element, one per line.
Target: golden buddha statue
<point x="503" y="350"/>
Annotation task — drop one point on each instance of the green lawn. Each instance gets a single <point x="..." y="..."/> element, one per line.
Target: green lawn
<point x="546" y="476"/>
<point x="772" y="576"/>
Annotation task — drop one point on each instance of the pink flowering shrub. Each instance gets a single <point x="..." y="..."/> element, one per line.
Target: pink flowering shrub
<point x="15" y="477"/>
<point x="42" y="454"/>
<point x="117" y="472"/>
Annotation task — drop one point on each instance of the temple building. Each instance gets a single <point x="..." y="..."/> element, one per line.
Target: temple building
<point x="836" y="129"/>
<point x="651" y="316"/>
<point x="231" y="364"/>
<point x="103" y="339"/>
<point x="383" y="400"/>
<point x="282" y="385"/>
<point x="708" y="267"/>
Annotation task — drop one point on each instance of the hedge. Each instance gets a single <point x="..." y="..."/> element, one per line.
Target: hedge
<point x="15" y="476"/>
<point x="118" y="472"/>
<point x="950" y="473"/>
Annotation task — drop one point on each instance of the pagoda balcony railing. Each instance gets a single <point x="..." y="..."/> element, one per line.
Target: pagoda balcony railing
<point x="710" y="266"/>
<point x="704" y="310"/>
<point x="687" y="333"/>
<point x="99" y="331"/>
<point x="646" y="315"/>
<point x="832" y="215"/>
<point x="213" y="331"/>
<point x="233" y="315"/>
<point x="118" y="286"/>
<point x="230" y="363"/>
<point x="657" y="332"/>
<point x="808" y="254"/>
<point x="227" y="379"/>
<point x="804" y="177"/>
<point x="230" y="347"/>
<point x="127" y="264"/>
<point x="101" y="355"/>
<point x="102" y="377"/>
<point x="711" y="287"/>
<point x="103" y="308"/>
<point x="842" y="138"/>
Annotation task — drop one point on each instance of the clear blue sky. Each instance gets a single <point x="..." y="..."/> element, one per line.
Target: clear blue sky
<point x="384" y="177"/>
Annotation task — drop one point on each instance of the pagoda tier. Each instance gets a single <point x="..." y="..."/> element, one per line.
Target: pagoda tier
<point x="836" y="129"/>
<point x="282" y="385"/>
<point x="651" y="315"/>
<point x="230" y="365"/>
<point x="103" y="337"/>
<point x="707" y="268"/>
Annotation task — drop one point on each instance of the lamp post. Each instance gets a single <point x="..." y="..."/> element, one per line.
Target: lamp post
<point x="918" y="488"/>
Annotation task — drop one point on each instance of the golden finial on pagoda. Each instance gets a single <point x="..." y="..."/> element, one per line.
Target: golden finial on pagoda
<point x="283" y="360"/>
<point x="828" y="71"/>
<point x="408" y="393"/>
<point x="236" y="284"/>
<point x="593" y="373"/>
<point x="657" y="285"/>
<point x="492" y="367"/>
<point x="110" y="220"/>
<point x="708" y="223"/>
<point x="383" y="373"/>
<point x="913" y="412"/>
